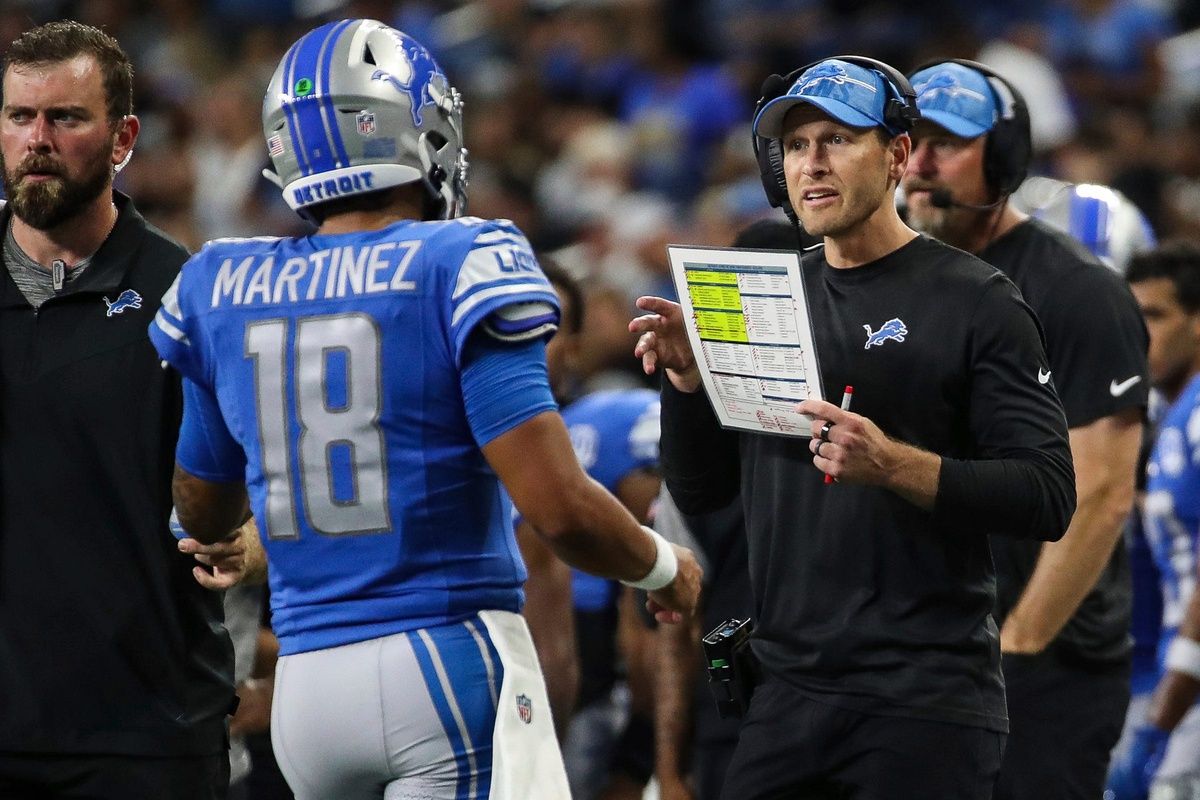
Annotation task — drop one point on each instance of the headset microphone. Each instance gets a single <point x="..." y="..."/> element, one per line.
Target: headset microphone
<point x="773" y="86"/>
<point x="942" y="198"/>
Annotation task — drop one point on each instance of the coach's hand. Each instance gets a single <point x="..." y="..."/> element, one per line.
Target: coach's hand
<point x="233" y="560"/>
<point x="850" y="447"/>
<point x="676" y="601"/>
<point x="663" y="343"/>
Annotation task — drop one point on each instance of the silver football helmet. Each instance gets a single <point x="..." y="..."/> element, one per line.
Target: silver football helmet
<point x="1105" y="220"/>
<point x="356" y="106"/>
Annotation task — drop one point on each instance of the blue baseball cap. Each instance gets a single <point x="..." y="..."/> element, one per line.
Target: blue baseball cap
<point x="853" y="95"/>
<point x="957" y="98"/>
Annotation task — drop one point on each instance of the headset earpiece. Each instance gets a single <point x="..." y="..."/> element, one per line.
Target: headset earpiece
<point x="1009" y="146"/>
<point x="900" y="113"/>
<point x="769" y="152"/>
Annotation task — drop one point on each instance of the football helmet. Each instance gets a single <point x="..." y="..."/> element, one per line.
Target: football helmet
<point x="356" y="106"/>
<point x="1105" y="220"/>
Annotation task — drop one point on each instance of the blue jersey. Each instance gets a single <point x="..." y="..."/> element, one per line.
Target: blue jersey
<point x="336" y="362"/>
<point x="614" y="433"/>
<point x="1171" y="514"/>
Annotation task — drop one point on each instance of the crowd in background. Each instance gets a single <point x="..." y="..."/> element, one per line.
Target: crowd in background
<point x="607" y="128"/>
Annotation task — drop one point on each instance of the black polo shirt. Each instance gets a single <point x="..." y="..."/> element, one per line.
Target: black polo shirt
<point x="107" y="643"/>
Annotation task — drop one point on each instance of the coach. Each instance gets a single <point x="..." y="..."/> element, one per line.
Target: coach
<point x="874" y="594"/>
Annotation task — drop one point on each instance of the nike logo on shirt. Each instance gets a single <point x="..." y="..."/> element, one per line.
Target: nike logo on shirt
<point x="1043" y="376"/>
<point x="1118" y="389"/>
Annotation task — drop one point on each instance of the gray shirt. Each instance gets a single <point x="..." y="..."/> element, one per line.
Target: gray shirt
<point x="35" y="281"/>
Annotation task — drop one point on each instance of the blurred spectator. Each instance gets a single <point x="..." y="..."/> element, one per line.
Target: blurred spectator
<point x="679" y="107"/>
<point x="1181" y="198"/>
<point x="227" y="159"/>
<point x="1051" y="120"/>
<point x="1108" y="49"/>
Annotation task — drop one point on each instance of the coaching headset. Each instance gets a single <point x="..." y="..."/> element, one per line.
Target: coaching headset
<point x="1009" y="145"/>
<point x="900" y="113"/>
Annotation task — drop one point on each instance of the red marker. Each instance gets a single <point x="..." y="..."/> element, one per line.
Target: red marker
<point x="846" y="395"/>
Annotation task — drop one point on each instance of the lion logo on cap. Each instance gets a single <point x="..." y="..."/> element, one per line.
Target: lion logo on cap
<point x="835" y="73"/>
<point x="947" y="84"/>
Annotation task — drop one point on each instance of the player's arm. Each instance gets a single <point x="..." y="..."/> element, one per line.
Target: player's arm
<point x="548" y="601"/>
<point x="1177" y="691"/>
<point x="678" y="660"/>
<point x="256" y="692"/>
<point x="632" y="758"/>
<point x="581" y="522"/>
<point x="1179" y="688"/>
<point x="208" y="487"/>
<point x="1105" y="454"/>
<point x="676" y="664"/>
<point x="506" y="395"/>
<point x="208" y="510"/>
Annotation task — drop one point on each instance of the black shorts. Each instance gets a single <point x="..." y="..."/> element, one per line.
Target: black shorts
<point x="1064" y="719"/>
<point x="795" y="748"/>
<point x="59" y="777"/>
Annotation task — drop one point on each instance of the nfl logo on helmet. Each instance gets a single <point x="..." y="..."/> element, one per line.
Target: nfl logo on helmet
<point x="366" y="122"/>
<point x="525" y="708"/>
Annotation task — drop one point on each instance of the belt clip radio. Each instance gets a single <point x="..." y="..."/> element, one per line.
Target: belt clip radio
<point x="732" y="667"/>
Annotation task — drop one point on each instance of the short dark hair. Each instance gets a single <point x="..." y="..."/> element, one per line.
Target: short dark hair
<point x="1179" y="262"/>
<point x="63" y="40"/>
<point x="562" y="281"/>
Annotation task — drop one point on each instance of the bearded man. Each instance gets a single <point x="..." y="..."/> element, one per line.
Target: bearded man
<point x="115" y="672"/>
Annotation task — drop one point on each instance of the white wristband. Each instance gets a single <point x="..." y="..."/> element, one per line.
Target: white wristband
<point x="1183" y="655"/>
<point x="665" y="565"/>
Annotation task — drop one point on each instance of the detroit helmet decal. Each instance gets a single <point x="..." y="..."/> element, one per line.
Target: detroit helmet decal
<point x="421" y="79"/>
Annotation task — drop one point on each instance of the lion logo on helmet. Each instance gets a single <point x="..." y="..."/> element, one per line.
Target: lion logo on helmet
<point x="419" y="82"/>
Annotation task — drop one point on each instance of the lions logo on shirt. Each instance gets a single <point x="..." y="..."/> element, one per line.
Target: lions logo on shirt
<point x="892" y="329"/>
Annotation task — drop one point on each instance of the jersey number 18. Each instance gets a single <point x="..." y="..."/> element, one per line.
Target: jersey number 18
<point x="325" y="430"/>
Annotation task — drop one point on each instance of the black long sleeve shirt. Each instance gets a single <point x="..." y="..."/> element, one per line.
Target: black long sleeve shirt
<point x="864" y="600"/>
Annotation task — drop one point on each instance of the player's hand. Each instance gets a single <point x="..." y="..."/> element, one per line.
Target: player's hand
<point x="674" y="789"/>
<point x="236" y="559"/>
<point x="676" y="601"/>
<point x="854" y="450"/>
<point x="1131" y="775"/>
<point x="254" y="709"/>
<point x="663" y="342"/>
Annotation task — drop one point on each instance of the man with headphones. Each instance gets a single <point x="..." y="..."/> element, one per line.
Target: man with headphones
<point x="873" y="595"/>
<point x="1063" y="607"/>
